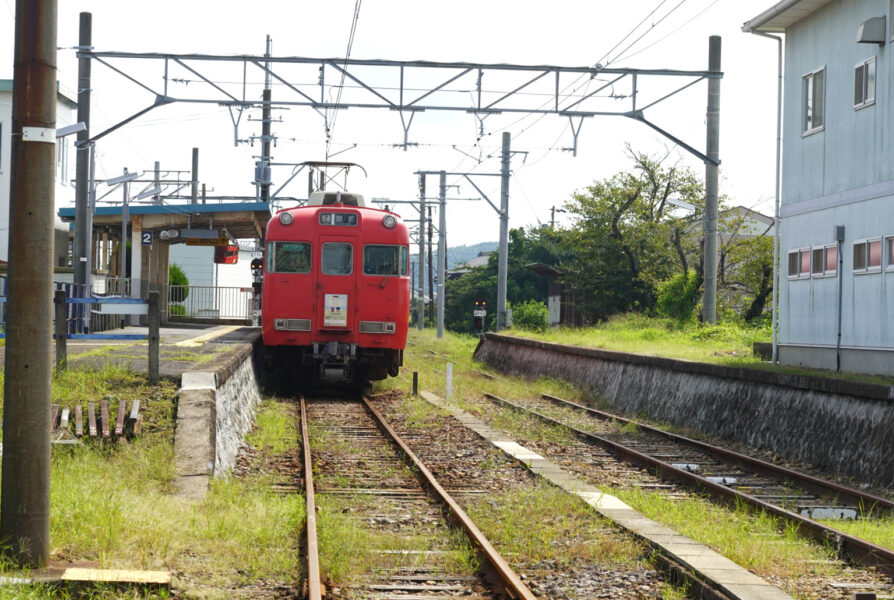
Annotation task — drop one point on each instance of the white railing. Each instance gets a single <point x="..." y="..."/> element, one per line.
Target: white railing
<point x="209" y="302"/>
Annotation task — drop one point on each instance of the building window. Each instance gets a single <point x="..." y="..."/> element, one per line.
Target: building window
<point x="799" y="263"/>
<point x="824" y="261"/>
<point x="864" y="83"/>
<point x="868" y="256"/>
<point x="812" y="101"/>
<point x="889" y="253"/>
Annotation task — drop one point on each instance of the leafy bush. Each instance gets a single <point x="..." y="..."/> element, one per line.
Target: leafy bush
<point x="677" y="296"/>
<point x="531" y="315"/>
<point x="176" y="310"/>
<point x="176" y="277"/>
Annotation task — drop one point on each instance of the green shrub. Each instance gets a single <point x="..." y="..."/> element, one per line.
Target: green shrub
<point x="677" y="296"/>
<point x="176" y="277"/>
<point x="176" y="310"/>
<point x="531" y="315"/>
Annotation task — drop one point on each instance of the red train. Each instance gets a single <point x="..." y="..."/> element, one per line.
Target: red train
<point x="336" y="290"/>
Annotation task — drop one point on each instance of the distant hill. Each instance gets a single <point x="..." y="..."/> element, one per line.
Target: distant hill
<point x="459" y="254"/>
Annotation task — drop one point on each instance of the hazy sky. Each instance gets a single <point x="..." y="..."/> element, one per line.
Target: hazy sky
<point x="561" y="32"/>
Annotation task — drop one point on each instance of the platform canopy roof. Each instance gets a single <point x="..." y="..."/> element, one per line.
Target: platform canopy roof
<point x="242" y="220"/>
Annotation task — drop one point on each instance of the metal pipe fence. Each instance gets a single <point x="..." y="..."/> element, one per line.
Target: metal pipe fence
<point x="209" y="302"/>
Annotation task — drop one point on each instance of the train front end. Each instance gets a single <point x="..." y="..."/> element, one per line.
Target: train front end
<point x="336" y="293"/>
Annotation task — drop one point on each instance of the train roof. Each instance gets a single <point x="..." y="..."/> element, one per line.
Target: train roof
<point x="344" y="198"/>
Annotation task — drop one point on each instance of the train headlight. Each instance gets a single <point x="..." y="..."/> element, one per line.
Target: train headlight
<point x="285" y="218"/>
<point x="389" y="221"/>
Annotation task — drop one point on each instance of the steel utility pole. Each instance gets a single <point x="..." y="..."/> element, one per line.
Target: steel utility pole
<point x="503" y="257"/>
<point x="711" y="176"/>
<point x="194" y="192"/>
<point x="25" y="494"/>
<point x="83" y="218"/>
<point x="442" y="250"/>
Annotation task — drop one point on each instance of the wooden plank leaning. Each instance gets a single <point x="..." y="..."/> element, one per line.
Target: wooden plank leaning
<point x="91" y="419"/>
<point x="104" y="417"/>
<point x="119" y="421"/>
<point x="79" y="421"/>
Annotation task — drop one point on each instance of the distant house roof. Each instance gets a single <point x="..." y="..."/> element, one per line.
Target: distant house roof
<point x="783" y="14"/>
<point x="63" y="93"/>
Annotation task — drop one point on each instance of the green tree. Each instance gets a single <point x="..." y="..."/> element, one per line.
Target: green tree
<point x="747" y="276"/>
<point x="628" y="236"/>
<point x="176" y="277"/>
<point x="525" y="247"/>
<point x="531" y="315"/>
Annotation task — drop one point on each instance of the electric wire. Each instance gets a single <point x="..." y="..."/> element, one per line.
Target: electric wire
<point x="647" y="31"/>
<point x="629" y="33"/>
<point x="330" y="129"/>
<point x="661" y="39"/>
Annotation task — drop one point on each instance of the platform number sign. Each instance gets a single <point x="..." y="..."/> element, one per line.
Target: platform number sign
<point x="146" y="237"/>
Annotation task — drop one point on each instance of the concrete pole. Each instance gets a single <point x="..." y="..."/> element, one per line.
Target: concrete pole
<point x="265" y="131"/>
<point x="442" y="250"/>
<point x="81" y="245"/>
<point x="156" y="199"/>
<point x="711" y="180"/>
<point x="25" y="495"/>
<point x="420" y="306"/>
<point x="194" y="198"/>
<point x="122" y="254"/>
<point x="503" y="257"/>
<point x="431" y="271"/>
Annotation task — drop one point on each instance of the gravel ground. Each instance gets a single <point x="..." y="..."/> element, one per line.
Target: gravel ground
<point x="471" y="467"/>
<point x="599" y="468"/>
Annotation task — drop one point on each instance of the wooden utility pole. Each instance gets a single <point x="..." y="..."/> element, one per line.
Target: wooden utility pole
<point x="25" y="495"/>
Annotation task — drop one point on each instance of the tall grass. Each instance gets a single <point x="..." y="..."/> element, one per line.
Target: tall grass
<point x="725" y="343"/>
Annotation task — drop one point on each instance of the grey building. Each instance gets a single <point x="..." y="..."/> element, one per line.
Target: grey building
<point x="66" y="113"/>
<point x="836" y="212"/>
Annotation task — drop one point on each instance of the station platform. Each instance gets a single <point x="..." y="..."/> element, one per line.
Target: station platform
<point x="183" y="347"/>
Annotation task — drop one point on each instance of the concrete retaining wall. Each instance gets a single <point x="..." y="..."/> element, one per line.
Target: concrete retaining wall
<point x="215" y="410"/>
<point x="840" y="426"/>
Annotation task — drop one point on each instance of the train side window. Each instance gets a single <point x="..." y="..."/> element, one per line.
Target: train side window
<point x="288" y="257"/>
<point x="385" y="260"/>
<point x="337" y="258"/>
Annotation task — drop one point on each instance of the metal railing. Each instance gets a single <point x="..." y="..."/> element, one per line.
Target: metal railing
<point x="209" y="302"/>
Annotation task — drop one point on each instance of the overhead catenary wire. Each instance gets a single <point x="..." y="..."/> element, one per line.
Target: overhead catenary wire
<point x="330" y="128"/>
<point x="675" y="30"/>
<point x="620" y="55"/>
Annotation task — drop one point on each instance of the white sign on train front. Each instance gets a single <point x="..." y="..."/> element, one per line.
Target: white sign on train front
<point x="336" y="314"/>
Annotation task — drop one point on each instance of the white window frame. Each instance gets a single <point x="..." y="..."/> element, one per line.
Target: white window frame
<point x="808" y="80"/>
<point x="825" y="272"/>
<point x="798" y="252"/>
<point x="886" y="254"/>
<point x="867" y="96"/>
<point x="866" y="269"/>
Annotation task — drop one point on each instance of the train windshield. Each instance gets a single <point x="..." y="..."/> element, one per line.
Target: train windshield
<point x="288" y="257"/>
<point x="385" y="260"/>
<point x="338" y="258"/>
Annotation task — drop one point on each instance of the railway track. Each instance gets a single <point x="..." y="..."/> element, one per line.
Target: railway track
<point x="728" y="477"/>
<point x="360" y="456"/>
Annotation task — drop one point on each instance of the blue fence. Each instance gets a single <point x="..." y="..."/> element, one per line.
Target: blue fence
<point x="77" y="307"/>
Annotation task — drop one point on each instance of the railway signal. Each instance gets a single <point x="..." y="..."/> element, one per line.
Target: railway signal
<point x="479" y="314"/>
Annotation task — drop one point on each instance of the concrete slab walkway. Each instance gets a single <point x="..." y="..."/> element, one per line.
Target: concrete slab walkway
<point x="724" y="575"/>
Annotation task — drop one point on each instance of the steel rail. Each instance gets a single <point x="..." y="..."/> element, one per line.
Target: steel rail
<point x="314" y="587"/>
<point x="859" y="551"/>
<point x="807" y="482"/>
<point x="510" y="580"/>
